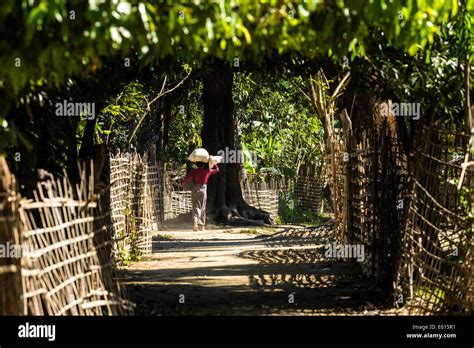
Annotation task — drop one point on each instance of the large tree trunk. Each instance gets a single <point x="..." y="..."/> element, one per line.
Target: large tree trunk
<point x="225" y="202"/>
<point x="161" y="117"/>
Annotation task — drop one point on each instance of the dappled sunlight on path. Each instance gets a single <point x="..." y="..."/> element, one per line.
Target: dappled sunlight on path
<point x="248" y="272"/>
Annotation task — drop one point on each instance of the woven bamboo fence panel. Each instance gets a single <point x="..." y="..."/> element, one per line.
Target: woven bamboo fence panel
<point x="267" y="191"/>
<point x="135" y="203"/>
<point x="264" y="191"/>
<point x="367" y="176"/>
<point x="177" y="203"/>
<point x="10" y="270"/>
<point x="376" y="199"/>
<point x="155" y="194"/>
<point x="267" y="200"/>
<point x="336" y="172"/>
<point x="437" y="264"/>
<point x="414" y="222"/>
<point x="65" y="263"/>
<point x="261" y="191"/>
<point x="309" y="190"/>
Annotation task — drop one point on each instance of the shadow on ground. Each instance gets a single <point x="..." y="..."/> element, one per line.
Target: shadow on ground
<point x="284" y="274"/>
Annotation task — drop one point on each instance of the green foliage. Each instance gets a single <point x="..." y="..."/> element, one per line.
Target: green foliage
<point x="276" y="123"/>
<point x="464" y="200"/>
<point x="121" y="115"/>
<point x="432" y="79"/>
<point x="292" y="213"/>
<point x="55" y="39"/>
<point x="129" y="251"/>
<point x="100" y="134"/>
<point x="165" y="237"/>
<point x="186" y="124"/>
<point x="427" y="294"/>
<point x="44" y="42"/>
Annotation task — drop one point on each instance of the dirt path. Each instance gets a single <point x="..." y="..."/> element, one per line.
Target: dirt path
<point x="246" y="272"/>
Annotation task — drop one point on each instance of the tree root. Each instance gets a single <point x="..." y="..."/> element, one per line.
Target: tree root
<point x="243" y="215"/>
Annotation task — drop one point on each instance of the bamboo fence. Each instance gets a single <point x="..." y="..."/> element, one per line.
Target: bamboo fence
<point x="437" y="265"/>
<point x="63" y="241"/>
<point x="135" y="204"/>
<point x="413" y="213"/>
<point x="376" y="199"/>
<point x="367" y="177"/>
<point x="408" y="211"/>
<point x="10" y="269"/>
<point x="265" y="192"/>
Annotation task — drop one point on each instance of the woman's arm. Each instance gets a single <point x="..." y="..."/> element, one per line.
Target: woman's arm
<point x="214" y="170"/>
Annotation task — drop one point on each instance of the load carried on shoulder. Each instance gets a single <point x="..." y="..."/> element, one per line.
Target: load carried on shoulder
<point x="202" y="155"/>
<point x="199" y="155"/>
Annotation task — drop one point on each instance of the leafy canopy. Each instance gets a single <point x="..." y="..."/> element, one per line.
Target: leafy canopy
<point x="43" y="41"/>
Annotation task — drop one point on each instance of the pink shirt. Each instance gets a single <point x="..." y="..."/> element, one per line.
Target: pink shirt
<point x="201" y="176"/>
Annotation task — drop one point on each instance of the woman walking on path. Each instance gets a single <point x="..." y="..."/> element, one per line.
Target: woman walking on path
<point x="199" y="177"/>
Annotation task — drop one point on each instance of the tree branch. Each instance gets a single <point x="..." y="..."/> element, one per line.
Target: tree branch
<point x="160" y="95"/>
